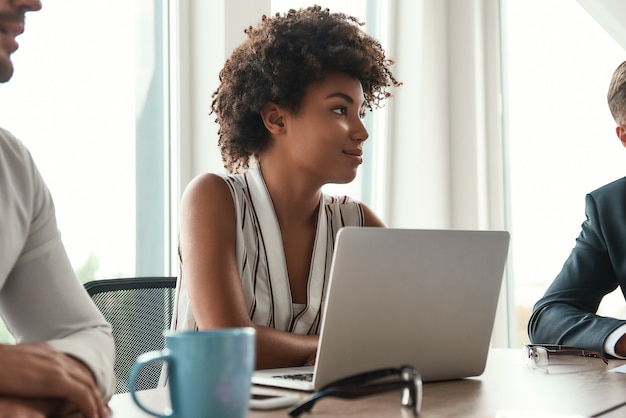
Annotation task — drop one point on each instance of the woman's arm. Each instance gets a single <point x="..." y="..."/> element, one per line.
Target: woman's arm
<point x="208" y="250"/>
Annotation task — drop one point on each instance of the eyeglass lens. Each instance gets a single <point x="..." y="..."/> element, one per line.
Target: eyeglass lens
<point x="544" y="356"/>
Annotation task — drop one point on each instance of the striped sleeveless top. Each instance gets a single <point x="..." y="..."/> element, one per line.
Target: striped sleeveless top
<point x="261" y="260"/>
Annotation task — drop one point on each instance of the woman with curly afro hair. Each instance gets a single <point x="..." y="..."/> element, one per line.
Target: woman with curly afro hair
<point x="255" y="245"/>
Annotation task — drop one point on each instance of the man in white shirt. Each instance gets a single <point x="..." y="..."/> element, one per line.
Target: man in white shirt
<point x="63" y="357"/>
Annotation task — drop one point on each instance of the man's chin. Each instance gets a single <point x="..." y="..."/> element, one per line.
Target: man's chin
<point x="6" y="69"/>
<point x="5" y="77"/>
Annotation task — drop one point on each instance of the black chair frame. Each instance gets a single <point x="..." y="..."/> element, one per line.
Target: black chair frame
<point x="139" y="311"/>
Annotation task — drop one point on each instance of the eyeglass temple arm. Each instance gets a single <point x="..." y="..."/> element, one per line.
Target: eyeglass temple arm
<point x="565" y="351"/>
<point x="306" y="405"/>
<point x="584" y="353"/>
<point x="350" y="393"/>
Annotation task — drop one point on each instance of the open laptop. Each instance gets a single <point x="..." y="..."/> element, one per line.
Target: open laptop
<point x="425" y="298"/>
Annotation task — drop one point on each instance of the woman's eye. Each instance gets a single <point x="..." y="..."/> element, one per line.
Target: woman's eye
<point x="341" y="111"/>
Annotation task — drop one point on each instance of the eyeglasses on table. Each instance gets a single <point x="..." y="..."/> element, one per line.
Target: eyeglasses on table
<point x="369" y="383"/>
<point x="545" y="355"/>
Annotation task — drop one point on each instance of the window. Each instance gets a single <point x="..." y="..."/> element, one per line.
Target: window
<point x="91" y="104"/>
<point x="560" y="136"/>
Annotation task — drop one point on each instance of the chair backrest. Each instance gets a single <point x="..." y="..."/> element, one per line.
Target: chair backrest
<point x="139" y="310"/>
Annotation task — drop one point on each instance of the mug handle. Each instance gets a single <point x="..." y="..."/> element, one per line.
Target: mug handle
<point x="141" y="361"/>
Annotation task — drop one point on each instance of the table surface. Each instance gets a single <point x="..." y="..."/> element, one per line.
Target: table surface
<point x="507" y="389"/>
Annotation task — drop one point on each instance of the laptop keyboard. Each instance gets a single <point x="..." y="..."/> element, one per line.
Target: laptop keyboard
<point x="305" y="377"/>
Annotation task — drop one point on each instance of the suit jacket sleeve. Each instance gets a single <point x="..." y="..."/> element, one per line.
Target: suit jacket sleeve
<point x="566" y="314"/>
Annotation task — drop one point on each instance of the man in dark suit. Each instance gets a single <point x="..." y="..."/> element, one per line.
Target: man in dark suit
<point x="566" y="314"/>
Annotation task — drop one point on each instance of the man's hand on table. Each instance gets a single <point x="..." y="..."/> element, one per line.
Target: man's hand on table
<point x="47" y="378"/>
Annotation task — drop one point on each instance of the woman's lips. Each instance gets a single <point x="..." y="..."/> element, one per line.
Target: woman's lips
<point x="355" y="155"/>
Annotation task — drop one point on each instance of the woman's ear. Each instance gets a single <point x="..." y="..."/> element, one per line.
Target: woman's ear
<point x="272" y="116"/>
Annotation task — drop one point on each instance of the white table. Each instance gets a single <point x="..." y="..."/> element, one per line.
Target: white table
<point x="506" y="385"/>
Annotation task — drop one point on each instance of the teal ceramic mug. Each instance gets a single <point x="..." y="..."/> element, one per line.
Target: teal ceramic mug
<point x="209" y="372"/>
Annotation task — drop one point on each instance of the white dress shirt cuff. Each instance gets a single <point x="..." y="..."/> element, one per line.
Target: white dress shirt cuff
<point x="611" y="341"/>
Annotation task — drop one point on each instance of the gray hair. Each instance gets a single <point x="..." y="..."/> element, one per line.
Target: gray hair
<point x="616" y="96"/>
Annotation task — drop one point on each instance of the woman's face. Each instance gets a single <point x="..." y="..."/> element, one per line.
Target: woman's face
<point x="325" y="138"/>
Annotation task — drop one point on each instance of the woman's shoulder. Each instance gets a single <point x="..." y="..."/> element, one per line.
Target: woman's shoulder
<point x="203" y="183"/>
<point x="214" y="183"/>
<point x="211" y="189"/>
<point x="205" y="189"/>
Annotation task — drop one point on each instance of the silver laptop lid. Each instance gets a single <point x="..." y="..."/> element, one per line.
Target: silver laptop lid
<point x="427" y="298"/>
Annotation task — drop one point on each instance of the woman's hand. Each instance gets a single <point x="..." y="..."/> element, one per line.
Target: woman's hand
<point x="310" y="361"/>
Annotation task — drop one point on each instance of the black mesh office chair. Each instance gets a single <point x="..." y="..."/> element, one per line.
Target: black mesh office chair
<point x="139" y="310"/>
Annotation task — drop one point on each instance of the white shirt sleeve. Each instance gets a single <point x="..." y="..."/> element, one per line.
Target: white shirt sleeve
<point x="611" y="341"/>
<point x="41" y="298"/>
